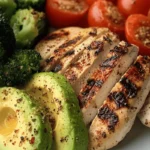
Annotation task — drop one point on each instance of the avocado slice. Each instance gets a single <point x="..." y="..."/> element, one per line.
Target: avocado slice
<point x="21" y="125"/>
<point x="56" y="96"/>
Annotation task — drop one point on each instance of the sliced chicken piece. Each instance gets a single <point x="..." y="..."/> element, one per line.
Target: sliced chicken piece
<point x="93" y="94"/>
<point x="50" y="64"/>
<point x="79" y="50"/>
<point x="55" y="39"/>
<point x="118" y="112"/>
<point x="144" y="114"/>
<point x="95" y="52"/>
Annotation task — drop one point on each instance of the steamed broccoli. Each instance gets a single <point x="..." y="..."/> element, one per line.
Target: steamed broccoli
<point x="27" y="24"/>
<point x="30" y="3"/>
<point x="7" y="37"/>
<point x="8" y="7"/>
<point x="19" y="67"/>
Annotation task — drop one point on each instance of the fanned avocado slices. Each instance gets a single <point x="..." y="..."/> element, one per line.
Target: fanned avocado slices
<point x="53" y="93"/>
<point x="21" y="125"/>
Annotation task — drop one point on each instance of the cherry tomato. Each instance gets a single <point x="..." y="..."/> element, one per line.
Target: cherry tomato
<point x="128" y="7"/>
<point x="90" y="2"/>
<point x="137" y="30"/>
<point x="83" y="22"/>
<point x="62" y="13"/>
<point x="149" y="13"/>
<point x="105" y="14"/>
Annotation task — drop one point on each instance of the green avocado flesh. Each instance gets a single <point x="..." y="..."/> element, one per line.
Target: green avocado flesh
<point x="21" y="125"/>
<point x="53" y="93"/>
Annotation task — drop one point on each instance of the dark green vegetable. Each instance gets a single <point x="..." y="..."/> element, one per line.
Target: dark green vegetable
<point x="27" y="24"/>
<point x="7" y="37"/>
<point x="1" y="74"/>
<point x="30" y="3"/>
<point x="19" y="67"/>
<point x="8" y="7"/>
<point x="2" y="51"/>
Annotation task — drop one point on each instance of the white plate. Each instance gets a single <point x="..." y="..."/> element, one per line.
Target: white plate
<point x="137" y="139"/>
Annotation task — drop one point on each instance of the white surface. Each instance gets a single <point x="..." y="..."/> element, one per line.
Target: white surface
<point x="137" y="139"/>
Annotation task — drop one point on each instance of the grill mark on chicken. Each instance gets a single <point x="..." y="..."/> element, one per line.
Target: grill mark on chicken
<point x="57" y="68"/>
<point x="101" y="75"/>
<point x="139" y="66"/>
<point x="97" y="47"/>
<point x="93" y="33"/>
<point x="124" y="117"/>
<point x="59" y="65"/>
<point x="131" y="88"/>
<point x="67" y="43"/>
<point x="69" y="53"/>
<point x="119" y="98"/>
<point x="98" y="83"/>
<point x="108" y="117"/>
<point x="109" y="63"/>
<point x="57" y="35"/>
<point x="49" y="60"/>
<point x="66" y="49"/>
<point x="107" y="39"/>
<point x="60" y="52"/>
<point x="120" y="49"/>
<point x="67" y="60"/>
<point x="90" y="84"/>
<point x="71" y="42"/>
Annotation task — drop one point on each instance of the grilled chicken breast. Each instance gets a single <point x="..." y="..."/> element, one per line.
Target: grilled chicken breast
<point x="55" y="39"/>
<point x="93" y="94"/>
<point x="117" y="114"/>
<point x="67" y="45"/>
<point x="80" y="50"/>
<point x="94" y="53"/>
<point x="144" y="114"/>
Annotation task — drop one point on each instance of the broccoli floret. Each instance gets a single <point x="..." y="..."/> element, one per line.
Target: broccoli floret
<point x="7" y="37"/>
<point x="37" y="4"/>
<point x="27" y="24"/>
<point x="20" y="67"/>
<point x="8" y="7"/>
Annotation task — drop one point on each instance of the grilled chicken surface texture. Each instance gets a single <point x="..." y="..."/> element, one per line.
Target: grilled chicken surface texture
<point x="117" y="114"/>
<point x="144" y="114"/>
<point x="93" y="61"/>
<point x="94" y="53"/>
<point x="62" y="44"/>
<point x="98" y="86"/>
<point x="82" y="48"/>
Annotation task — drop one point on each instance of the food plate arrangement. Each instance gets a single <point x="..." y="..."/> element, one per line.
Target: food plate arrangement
<point x="84" y="85"/>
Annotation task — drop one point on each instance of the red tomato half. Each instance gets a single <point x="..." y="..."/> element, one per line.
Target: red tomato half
<point x="137" y="30"/>
<point x="128" y="7"/>
<point x="90" y="2"/>
<point x="105" y="14"/>
<point x="149" y="13"/>
<point x="62" y="13"/>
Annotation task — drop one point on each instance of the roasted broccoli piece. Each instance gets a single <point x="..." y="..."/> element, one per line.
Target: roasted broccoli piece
<point x="7" y="37"/>
<point x="8" y="7"/>
<point x="37" y="4"/>
<point x="27" y="24"/>
<point x="20" y="67"/>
